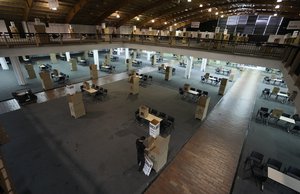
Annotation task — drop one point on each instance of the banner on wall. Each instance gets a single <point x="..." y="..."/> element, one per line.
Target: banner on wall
<point x="293" y="25"/>
<point x="195" y="24"/>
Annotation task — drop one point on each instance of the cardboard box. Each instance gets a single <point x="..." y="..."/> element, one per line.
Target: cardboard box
<point x="186" y="87"/>
<point x="143" y="111"/>
<point x="75" y="98"/>
<point x="77" y="110"/>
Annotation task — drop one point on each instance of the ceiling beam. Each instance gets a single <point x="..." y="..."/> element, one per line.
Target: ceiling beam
<point x="151" y="6"/>
<point x="116" y="5"/>
<point x="29" y="4"/>
<point x="75" y="10"/>
<point x="165" y="12"/>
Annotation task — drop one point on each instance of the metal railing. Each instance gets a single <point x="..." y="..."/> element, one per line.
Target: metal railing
<point x="268" y="50"/>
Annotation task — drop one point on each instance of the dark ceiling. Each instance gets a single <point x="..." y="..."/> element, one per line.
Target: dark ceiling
<point x="143" y="13"/>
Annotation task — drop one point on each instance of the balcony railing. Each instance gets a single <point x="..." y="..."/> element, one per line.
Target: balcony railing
<point x="267" y="50"/>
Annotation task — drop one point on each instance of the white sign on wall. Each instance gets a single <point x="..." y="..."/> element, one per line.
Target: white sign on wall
<point x="294" y="25"/>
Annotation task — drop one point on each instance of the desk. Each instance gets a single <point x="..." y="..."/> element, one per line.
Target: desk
<point x="284" y="179"/>
<point x="277" y="80"/>
<point x="289" y="121"/>
<point x="150" y="117"/>
<point x="283" y="95"/>
<point x="91" y="90"/>
<point x="192" y="92"/>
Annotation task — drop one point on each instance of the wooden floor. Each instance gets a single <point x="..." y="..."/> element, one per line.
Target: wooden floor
<point x="208" y="162"/>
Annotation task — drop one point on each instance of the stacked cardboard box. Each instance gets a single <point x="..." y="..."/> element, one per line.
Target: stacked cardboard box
<point x="134" y="84"/>
<point x="143" y="111"/>
<point x="186" y="87"/>
<point x="73" y="63"/>
<point x="93" y="71"/>
<point x="222" y="86"/>
<point x="168" y="74"/>
<point x="158" y="152"/>
<point x="41" y="35"/>
<point x="202" y="107"/>
<point x="30" y="71"/>
<point x="46" y="80"/>
<point x="76" y="105"/>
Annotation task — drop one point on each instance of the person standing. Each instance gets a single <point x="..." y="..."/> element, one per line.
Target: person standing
<point x="140" y="147"/>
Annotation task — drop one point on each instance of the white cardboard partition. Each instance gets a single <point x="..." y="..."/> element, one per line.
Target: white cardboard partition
<point x="284" y="179"/>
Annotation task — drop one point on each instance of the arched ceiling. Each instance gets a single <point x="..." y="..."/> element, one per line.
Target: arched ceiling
<point x="142" y="13"/>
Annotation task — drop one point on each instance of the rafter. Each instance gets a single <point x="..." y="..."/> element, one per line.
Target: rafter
<point x="29" y="4"/>
<point x="153" y="5"/>
<point x="115" y="7"/>
<point x="75" y="10"/>
<point x="160" y="15"/>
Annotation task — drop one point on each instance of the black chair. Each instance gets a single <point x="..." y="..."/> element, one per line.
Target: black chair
<point x="104" y="93"/>
<point x="171" y="121"/>
<point x="93" y="86"/>
<point x="295" y="130"/>
<point x="199" y="92"/>
<point x="173" y="71"/>
<point x="181" y="92"/>
<point x="137" y="116"/>
<point x="265" y="93"/>
<point x="205" y="93"/>
<point x="254" y="159"/>
<point x="153" y="111"/>
<point x="193" y="89"/>
<point x="274" y="164"/>
<point x="263" y="114"/>
<point x="81" y="88"/>
<point x="202" y="78"/>
<point x="150" y="77"/>
<point x="293" y="172"/>
<point x="286" y="115"/>
<point x="162" y="115"/>
<point x="267" y="80"/>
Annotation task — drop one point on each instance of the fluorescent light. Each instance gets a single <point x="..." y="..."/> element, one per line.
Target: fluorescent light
<point x="209" y="10"/>
<point x="275" y="14"/>
<point x="277" y="6"/>
<point x="200" y="5"/>
<point x="222" y="16"/>
<point x="217" y="13"/>
<point x="165" y="22"/>
<point x="175" y="24"/>
<point x="279" y="1"/>
<point x="118" y="16"/>
<point x="137" y="18"/>
<point x="152" y="21"/>
<point x="189" y="0"/>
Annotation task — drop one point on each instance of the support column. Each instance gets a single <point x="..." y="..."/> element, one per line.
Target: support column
<point x="203" y="64"/>
<point x="148" y="56"/>
<point x="126" y="53"/>
<point x="188" y="68"/>
<point x="118" y="51"/>
<point x="96" y="58"/>
<point x="134" y="55"/>
<point x="3" y="63"/>
<point x="111" y="51"/>
<point x="86" y="55"/>
<point x="15" y="62"/>
<point x="68" y="56"/>
<point x="53" y="58"/>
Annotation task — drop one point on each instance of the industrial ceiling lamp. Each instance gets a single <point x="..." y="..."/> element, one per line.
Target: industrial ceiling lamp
<point x="117" y="15"/>
<point x="53" y="4"/>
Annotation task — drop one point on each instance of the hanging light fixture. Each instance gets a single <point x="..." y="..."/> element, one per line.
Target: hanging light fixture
<point x="137" y="18"/>
<point x="117" y="15"/>
<point x="53" y="4"/>
<point x="152" y="21"/>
